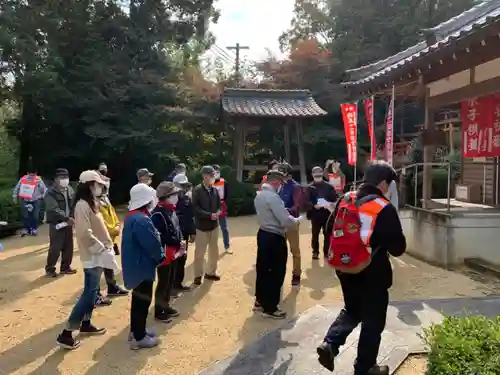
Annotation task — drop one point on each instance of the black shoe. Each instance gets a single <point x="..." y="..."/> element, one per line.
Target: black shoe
<point x="163" y="317"/>
<point x="315" y="256"/>
<point x="295" y="280"/>
<point x="197" y="281"/>
<point x="90" y="329"/>
<point x="182" y="288"/>
<point x="68" y="271"/>
<point x="50" y="274"/>
<point x="257" y="307"/>
<point x="278" y="314"/>
<point x="213" y="277"/>
<point x="103" y="301"/>
<point x="67" y="342"/>
<point x="378" y="370"/>
<point x="170" y="311"/>
<point x="326" y="356"/>
<point x="117" y="291"/>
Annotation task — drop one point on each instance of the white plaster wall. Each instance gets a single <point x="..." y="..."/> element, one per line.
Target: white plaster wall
<point x="448" y="241"/>
<point x="488" y="70"/>
<point x="447" y="84"/>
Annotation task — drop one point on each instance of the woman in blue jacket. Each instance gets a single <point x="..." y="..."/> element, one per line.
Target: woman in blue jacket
<point x="142" y="253"/>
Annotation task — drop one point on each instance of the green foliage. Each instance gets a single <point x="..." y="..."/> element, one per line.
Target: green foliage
<point x="241" y="194"/>
<point x="467" y="345"/>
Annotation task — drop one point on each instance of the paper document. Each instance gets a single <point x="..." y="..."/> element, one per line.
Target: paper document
<point x="323" y="202"/>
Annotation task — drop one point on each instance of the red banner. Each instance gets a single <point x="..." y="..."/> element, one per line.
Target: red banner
<point x="389" y="131"/>
<point x="350" y="116"/>
<point x="368" y="103"/>
<point x="481" y="126"/>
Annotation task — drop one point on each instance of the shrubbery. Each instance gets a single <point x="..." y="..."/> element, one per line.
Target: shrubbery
<point x="467" y="345"/>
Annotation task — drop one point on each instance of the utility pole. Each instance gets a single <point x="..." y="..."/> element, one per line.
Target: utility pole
<point x="237" y="48"/>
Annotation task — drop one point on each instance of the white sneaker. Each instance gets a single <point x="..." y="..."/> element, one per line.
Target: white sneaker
<point x="146" y="343"/>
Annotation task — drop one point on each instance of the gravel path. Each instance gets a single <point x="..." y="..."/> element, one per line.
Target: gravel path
<point x="216" y="319"/>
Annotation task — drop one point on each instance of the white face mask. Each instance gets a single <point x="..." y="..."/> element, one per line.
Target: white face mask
<point x="96" y="190"/>
<point x="318" y="179"/>
<point x="217" y="175"/>
<point x="150" y="207"/>
<point x="189" y="194"/>
<point x="173" y="199"/>
<point x="64" y="182"/>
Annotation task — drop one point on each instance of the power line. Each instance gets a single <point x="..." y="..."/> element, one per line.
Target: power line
<point x="237" y="48"/>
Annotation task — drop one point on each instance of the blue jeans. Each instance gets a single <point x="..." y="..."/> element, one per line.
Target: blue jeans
<point x="85" y="304"/>
<point x="225" y="232"/>
<point x="30" y="217"/>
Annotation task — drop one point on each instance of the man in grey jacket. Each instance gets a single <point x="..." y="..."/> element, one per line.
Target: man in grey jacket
<point x="274" y="219"/>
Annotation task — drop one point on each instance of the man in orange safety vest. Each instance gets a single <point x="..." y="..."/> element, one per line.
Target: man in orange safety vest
<point x="29" y="191"/>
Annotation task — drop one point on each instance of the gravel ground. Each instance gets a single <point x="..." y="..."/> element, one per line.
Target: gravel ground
<point x="414" y="365"/>
<point x="216" y="319"/>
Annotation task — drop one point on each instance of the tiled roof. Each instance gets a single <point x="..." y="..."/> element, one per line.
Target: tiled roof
<point x="270" y="103"/>
<point x="480" y="16"/>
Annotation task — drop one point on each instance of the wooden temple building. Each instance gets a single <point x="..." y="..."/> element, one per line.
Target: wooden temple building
<point x="456" y="61"/>
<point x="290" y="109"/>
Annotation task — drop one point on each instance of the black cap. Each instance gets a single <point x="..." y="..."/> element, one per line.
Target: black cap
<point x="207" y="169"/>
<point x="216" y="167"/>
<point x="144" y="172"/>
<point x="61" y="172"/>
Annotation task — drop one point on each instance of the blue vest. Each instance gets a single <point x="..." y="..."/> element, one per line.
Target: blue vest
<point x="286" y="193"/>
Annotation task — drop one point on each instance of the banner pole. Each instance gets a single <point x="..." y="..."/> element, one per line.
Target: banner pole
<point x="356" y="143"/>
<point x="373" y="147"/>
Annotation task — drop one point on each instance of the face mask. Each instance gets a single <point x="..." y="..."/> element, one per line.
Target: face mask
<point x="150" y="207"/>
<point x="173" y="200"/>
<point x="97" y="190"/>
<point x="189" y="194"/>
<point x="318" y="178"/>
<point x="217" y="175"/>
<point x="64" y="182"/>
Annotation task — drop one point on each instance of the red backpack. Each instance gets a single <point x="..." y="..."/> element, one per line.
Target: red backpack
<point x="350" y="250"/>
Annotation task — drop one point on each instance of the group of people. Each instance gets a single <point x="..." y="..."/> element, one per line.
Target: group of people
<point x="163" y="222"/>
<point x="361" y="230"/>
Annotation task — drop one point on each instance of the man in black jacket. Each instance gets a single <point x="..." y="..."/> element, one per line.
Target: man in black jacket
<point x="59" y="211"/>
<point x="319" y="190"/>
<point x="185" y="213"/>
<point x="207" y="209"/>
<point x="366" y="294"/>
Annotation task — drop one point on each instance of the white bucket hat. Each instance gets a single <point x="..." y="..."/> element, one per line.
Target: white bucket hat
<point x="141" y="195"/>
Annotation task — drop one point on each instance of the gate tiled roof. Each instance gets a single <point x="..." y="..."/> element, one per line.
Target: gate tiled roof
<point x="270" y="103"/>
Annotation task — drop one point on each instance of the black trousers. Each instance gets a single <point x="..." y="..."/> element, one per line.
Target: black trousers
<point x="60" y="245"/>
<point x="318" y="224"/>
<point x="179" y="271"/>
<point x="164" y="287"/>
<point x="272" y="254"/>
<point x="139" y="307"/>
<point x="368" y="306"/>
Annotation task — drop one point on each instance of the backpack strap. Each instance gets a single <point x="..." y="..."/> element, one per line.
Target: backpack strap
<point x="366" y="199"/>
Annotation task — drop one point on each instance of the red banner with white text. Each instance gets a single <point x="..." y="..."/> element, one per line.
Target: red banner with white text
<point x="350" y="117"/>
<point x="368" y="104"/>
<point x="481" y="126"/>
<point x="389" y="131"/>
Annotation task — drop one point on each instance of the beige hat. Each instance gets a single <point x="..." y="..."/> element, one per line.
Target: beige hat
<point x="140" y="195"/>
<point x="91" y="176"/>
<point x="166" y="189"/>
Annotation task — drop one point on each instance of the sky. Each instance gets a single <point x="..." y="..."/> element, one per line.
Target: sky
<point x="256" y="24"/>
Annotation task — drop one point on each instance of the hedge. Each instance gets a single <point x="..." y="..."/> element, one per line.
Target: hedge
<point x="468" y="345"/>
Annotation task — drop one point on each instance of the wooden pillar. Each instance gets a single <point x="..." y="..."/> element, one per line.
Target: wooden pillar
<point x="429" y="150"/>
<point x="300" y="147"/>
<point x="286" y="134"/>
<point x="239" y="151"/>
